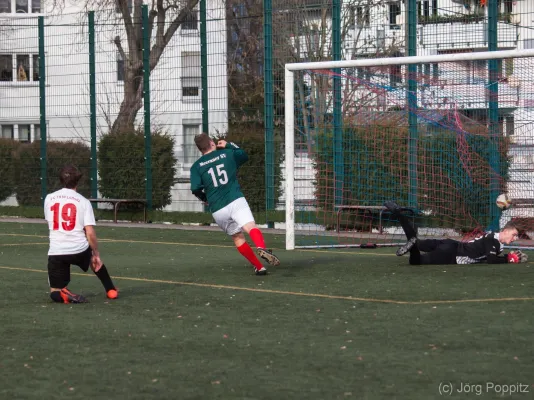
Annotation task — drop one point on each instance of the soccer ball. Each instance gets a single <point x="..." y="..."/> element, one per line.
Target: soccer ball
<point x="503" y="201"/>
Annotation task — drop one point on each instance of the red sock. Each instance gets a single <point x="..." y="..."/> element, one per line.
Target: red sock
<point x="257" y="237"/>
<point x="247" y="252"/>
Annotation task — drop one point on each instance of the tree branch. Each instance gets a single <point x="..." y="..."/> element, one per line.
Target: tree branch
<point x="128" y="25"/>
<point x="118" y="43"/>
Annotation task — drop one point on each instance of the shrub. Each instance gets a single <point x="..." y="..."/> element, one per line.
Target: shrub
<point x="8" y="167"/>
<point x="121" y="165"/>
<point x="58" y="154"/>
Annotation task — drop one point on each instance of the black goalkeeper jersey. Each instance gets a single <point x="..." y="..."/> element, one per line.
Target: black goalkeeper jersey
<point x="484" y="248"/>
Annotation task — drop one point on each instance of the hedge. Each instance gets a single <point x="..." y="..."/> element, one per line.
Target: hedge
<point x="121" y="166"/>
<point x="8" y="167"/>
<point x="58" y="154"/>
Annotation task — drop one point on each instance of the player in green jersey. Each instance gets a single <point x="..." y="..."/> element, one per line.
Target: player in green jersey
<point x="214" y="181"/>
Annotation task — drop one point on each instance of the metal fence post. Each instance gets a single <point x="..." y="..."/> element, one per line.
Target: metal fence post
<point x="339" y="173"/>
<point x="42" y="106"/>
<point x="493" y="114"/>
<point x="269" y="104"/>
<point x="204" y="67"/>
<point x="146" y="97"/>
<point x="411" y="100"/>
<point x="92" y="104"/>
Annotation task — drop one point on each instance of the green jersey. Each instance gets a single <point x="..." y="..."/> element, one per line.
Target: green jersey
<point x="214" y="176"/>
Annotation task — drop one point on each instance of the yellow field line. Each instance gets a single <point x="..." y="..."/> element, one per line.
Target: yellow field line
<point x="288" y="293"/>
<point x="21" y="235"/>
<point x="206" y="245"/>
<point x="21" y="244"/>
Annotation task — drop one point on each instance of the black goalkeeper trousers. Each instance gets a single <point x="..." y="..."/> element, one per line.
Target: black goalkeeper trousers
<point x="435" y="251"/>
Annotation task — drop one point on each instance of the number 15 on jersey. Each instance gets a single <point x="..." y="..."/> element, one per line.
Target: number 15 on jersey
<point x="221" y="177"/>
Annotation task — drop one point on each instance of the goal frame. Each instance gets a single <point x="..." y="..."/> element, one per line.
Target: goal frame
<point x="289" y="100"/>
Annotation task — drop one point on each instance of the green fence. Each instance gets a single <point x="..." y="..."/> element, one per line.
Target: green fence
<point x="122" y="91"/>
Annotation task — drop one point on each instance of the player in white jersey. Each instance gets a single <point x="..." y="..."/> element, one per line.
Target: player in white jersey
<point x="73" y="239"/>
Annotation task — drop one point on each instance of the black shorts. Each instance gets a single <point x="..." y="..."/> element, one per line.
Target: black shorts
<point x="59" y="267"/>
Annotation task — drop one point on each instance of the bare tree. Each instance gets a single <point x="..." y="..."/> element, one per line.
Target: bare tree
<point x="164" y="19"/>
<point x="303" y="32"/>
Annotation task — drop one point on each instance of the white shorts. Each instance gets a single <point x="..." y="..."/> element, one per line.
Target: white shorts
<point x="232" y="217"/>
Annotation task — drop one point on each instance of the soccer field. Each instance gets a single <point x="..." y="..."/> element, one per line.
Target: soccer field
<point x="194" y="322"/>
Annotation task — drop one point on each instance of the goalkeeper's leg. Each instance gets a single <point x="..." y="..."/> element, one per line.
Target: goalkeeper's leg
<point x="409" y="230"/>
<point x="439" y="252"/>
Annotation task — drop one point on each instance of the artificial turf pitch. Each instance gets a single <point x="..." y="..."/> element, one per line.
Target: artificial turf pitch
<point x="194" y="322"/>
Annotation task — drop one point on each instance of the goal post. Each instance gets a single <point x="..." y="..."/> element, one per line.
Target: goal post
<point x="464" y="154"/>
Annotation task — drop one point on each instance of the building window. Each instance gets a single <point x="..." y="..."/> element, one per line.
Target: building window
<point x="36" y="132"/>
<point x="191" y="87"/>
<point x="21" y="6"/>
<point x="8" y="131"/>
<point x="120" y="68"/>
<point x="22" y="132"/>
<point x="428" y="73"/>
<point x="25" y="67"/>
<point x="427" y="8"/>
<point x="35" y="67"/>
<point x="191" y="22"/>
<point x="190" y="149"/>
<point x="191" y="75"/>
<point x="394" y="10"/>
<point x="25" y="133"/>
<point x="506" y="6"/>
<point x="363" y="17"/>
<point x="509" y="125"/>
<point x="380" y="38"/>
<point x="5" y="6"/>
<point x="6" y="67"/>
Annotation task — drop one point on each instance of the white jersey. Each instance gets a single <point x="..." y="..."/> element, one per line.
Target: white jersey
<point x="67" y="213"/>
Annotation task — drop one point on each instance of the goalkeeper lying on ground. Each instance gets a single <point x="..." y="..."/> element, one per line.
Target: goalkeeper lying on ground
<point x="486" y="248"/>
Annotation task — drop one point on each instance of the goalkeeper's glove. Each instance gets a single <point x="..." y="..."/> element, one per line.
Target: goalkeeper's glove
<point x="517" y="256"/>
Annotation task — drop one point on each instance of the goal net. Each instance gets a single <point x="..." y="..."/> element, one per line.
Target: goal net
<point x="441" y="135"/>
